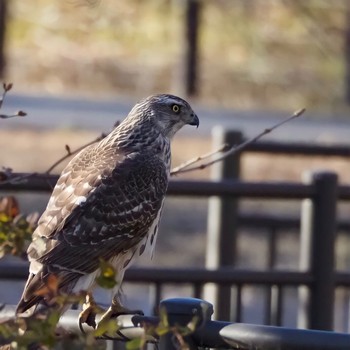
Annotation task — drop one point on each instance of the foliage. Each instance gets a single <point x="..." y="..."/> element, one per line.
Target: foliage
<point x="15" y="229"/>
<point x="107" y="277"/>
<point x="270" y="53"/>
<point x="42" y="329"/>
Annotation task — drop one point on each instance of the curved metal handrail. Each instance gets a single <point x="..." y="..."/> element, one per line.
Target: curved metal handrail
<point x="209" y="333"/>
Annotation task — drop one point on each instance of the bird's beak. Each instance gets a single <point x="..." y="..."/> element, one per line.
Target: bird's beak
<point x="194" y="120"/>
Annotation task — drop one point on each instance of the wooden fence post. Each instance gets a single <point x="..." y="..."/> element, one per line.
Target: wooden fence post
<point x="222" y="224"/>
<point x="318" y="231"/>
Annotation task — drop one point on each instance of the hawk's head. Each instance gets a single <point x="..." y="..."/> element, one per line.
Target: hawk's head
<point x="168" y="112"/>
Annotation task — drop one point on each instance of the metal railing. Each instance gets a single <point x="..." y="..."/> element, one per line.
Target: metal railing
<point x="206" y="333"/>
<point x="319" y="231"/>
<point x="318" y="228"/>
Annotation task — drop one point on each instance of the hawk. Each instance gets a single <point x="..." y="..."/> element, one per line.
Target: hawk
<point x="107" y="203"/>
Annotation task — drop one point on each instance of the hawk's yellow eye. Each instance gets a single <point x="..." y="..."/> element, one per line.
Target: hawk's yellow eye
<point x="175" y="108"/>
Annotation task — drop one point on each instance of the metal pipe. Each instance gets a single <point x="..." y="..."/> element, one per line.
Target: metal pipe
<point x="226" y="276"/>
<point x="215" y="334"/>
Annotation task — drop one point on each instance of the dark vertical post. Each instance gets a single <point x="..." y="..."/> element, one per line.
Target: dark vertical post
<point x="179" y="313"/>
<point x="222" y="223"/>
<point x="275" y="305"/>
<point x="272" y="304"/>
<point x="347" y="55"/>
<point x="317" y="251"/>
<point x="190" y="60"/>
<point x="3" y="19"/>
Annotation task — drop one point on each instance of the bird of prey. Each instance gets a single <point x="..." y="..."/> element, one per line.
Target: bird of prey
<point x="107" y="203"/>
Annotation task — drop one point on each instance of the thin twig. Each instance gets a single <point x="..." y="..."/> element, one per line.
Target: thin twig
<point x="234" y="149"/>
<point x="186" y="167"/>
<point x="6" y="87"/>
<point x="192" y="161"/>
<point x="17" y="114"/>
<point x="7" y="173"/>
<point x="71" y="153"/>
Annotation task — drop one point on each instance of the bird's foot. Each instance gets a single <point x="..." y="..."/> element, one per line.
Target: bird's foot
<point x="115" y="310"/>
<point x="88" y="315"/>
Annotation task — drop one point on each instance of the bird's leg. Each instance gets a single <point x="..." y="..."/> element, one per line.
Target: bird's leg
<point x="88" y="314"/>
<point x="117" y="309"/>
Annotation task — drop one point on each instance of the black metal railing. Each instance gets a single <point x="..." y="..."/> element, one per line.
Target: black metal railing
<point x="320" y="279"/>
<point x="206" y="333"/>
<point x="318" y="225"/>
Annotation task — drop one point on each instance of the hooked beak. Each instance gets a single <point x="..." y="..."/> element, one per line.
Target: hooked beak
<point x="194" y="120"/>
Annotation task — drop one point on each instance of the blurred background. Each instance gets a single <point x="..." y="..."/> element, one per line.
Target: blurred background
<point x="251" y="54"/>
<point x="78" y="66"/>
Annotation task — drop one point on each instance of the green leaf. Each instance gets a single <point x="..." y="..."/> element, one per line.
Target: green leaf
<point x="104" y="282"/>
<point x="106" y="326"/>
<point x="192" y="325"/>
<point x="161" y="330"/>
<point x="4" y="218"/>
<point x="163" y="326"/>
<point x="15" y="231"/>
<point x="3" y="236"/>
<point x="107" y="277"/>
<point x="135" y="344"/>
<point x="53" y="318"/>
<point x="163" y="316"/>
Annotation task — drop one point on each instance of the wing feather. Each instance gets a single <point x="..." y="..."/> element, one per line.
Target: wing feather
<point x="117" y="212"/>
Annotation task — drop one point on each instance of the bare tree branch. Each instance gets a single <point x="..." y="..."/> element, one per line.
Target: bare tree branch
<point x="71" y="153"/>
<point x="184" y="168"/>
<point x="17" y="114"/>
<point x="224" y="150"/>
<point x="6" y="173"/>
<point x="192" y="161"/>
<point x="7" y="87"/>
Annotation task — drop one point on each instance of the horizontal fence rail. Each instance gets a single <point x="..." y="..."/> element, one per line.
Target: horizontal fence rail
<point x="299" y="149"/>
<point x="19" y="182"/>
<point x="256" y="220"/>
<point x="45" y="183"/>
<point x="14" y="272"/>
<point x="191" y="276"/>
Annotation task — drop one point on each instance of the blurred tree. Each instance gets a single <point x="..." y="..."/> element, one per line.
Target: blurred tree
<point x="3" y="15"/>
<point x="190" y="62"/>
<point x="347" y="55"/>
